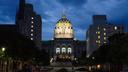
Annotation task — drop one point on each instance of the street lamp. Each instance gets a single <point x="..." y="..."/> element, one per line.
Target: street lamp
<point x="3" y="49"/>
<point x="98" y="66"/>
<point x="2" y="54"/>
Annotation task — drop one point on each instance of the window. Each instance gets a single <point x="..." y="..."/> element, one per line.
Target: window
<point x="99" y="41"/>
<point x="32" y="18"/>
<point x="31" y="30"/>
<point x="98" y="37"/>
<point x="57" y="50"/>
<point x="104" y="33"/>
<point x="104" y="29"/>
<point x="98" y="32"/>
<point x="31" y="34"/>
<point x="31" y="38"/>
<point x="63" y="50"/>
<point x="115" y="27"/>
<point x="32" y="22"/>
<point x="31" y="26"/>
<point x="104" y="42"/>
<point x="96" y="41"/>
<point x="104" y="38"/>
<point x="69" y="50"/>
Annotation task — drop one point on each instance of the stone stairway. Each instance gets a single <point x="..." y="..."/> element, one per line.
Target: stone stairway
<point x="61" y="64"/>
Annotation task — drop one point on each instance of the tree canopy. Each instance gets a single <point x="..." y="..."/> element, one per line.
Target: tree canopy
<point x="116" y="51"/>
<point x="19" y="47"/>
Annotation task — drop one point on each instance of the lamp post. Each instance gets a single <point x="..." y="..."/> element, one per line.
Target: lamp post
<point x="2" y="54"/>
<point x="3" y="49"/>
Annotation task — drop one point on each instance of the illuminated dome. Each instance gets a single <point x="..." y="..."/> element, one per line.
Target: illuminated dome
<point x="63" y="28"/>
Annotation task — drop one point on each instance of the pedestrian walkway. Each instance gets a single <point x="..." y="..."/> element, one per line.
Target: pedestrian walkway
<point x="61" y="64"/>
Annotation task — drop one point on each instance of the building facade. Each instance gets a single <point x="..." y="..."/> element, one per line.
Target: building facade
<point x="99" y="31"/>
<point x="79" y="48"/>
<point x="28" y="22"/>
<point x="63" y="40"/>
<point x="63" y="47"/>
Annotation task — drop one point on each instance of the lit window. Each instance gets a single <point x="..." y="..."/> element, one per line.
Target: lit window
<point x="115" y="27"/>
<point x="104" y="38"/>
<point x="104" y="29"/>
<point x="98" y="37"/>
<point x="31" y="38"/>
<point x="98" y="32"/>
<point x="96" y="41"/>
<point x="104" y="33"/>
<point x="32" y="22"/>
<point x="99" y="41"/>
<point x="69" y="50"/>
<point x="32" y="18"/>
<point x="31" y="30"/>
<point x="105" y="42"/>
<point x="57" y="50"/>
<point x="31" y="34"/>
<point x="31" y="26"/>
<point x="63" y="50"/>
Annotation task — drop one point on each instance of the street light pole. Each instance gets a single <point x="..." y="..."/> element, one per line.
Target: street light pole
<point x="3" y="49"/>
<point x="2" y="54"/>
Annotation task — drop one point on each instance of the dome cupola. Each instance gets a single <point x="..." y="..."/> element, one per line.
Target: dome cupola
<point x="63" y="28"/>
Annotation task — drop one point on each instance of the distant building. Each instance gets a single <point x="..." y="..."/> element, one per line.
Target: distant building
<point x="99" y="31"/>
<point x="28" y="22"/>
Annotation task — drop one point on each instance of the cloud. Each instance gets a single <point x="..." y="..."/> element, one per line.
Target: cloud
<point x="75" y="3"/>
<point x="8" y="11"/>
<point x="47" y="33"/>
<point x="80" y="34"/>
<point x="79" y="12"/>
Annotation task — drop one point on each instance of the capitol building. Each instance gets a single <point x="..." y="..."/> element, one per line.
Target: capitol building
<point x="64" y="47"/>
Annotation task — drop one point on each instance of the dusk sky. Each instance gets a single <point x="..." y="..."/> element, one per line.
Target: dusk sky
<point x="79" y="12"/>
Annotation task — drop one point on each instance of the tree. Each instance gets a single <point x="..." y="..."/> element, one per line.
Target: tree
<point x="42" y="57"/>
<point x="116" y="51"/>
<point x="17" y="46"/>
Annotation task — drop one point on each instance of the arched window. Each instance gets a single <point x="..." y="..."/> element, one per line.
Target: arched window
<point x="63" y="50"/>
<point x="69" y="50"/>
<point x="57" y="50"/>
